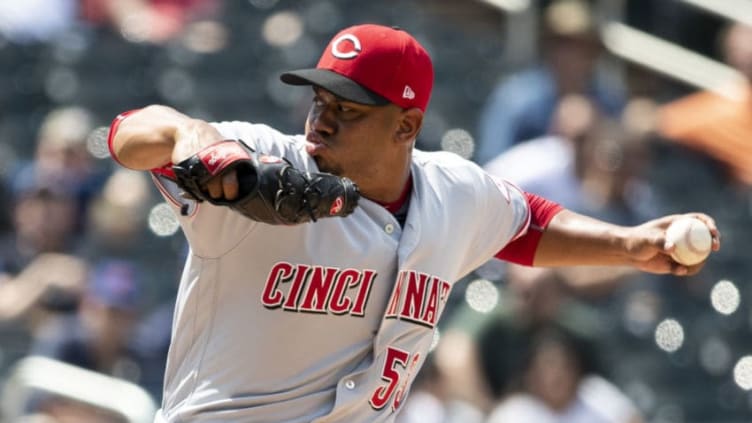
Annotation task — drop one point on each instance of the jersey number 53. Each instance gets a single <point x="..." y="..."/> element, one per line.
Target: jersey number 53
<point x="395" y="358"/>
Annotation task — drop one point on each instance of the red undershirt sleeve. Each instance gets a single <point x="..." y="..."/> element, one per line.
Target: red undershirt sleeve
<point x="522" y="249"/>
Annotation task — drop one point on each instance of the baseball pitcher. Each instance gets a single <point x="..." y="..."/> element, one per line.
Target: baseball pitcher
<point x="321" y="263"/>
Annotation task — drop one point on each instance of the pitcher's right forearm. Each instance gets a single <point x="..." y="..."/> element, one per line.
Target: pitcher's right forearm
<point x="145" y="138"/>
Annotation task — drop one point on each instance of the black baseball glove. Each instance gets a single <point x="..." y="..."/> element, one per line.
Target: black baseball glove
<point x="270" y="189"/>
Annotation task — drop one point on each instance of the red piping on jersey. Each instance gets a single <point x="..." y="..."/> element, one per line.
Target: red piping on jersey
<point x="396" y="205"/>
<point x="522" y="250"/>
<point x="113" y="129"/>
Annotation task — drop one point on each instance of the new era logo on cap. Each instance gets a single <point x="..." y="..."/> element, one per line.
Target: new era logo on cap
<point x="408" y="93"/>
<point x="372" y="64"/>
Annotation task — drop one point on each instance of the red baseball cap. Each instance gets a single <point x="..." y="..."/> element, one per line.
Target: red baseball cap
<point x="372" y="64"/>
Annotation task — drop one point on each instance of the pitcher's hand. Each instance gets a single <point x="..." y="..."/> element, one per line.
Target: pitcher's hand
<point x="650" y="252"/>
<point x="193" y="138"/>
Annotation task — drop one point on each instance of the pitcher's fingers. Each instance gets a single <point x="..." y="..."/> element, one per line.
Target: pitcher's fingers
<point x="230" y="185"/>
<point x="679" y="269"/>
<point x="214" y="187"/>
<point x="714" y="232"/>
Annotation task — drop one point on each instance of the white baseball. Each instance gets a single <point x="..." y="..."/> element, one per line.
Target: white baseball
<point x="692" y="239"/>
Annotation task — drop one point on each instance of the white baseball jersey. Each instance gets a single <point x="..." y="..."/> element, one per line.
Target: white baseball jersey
<point x="329" y="321"/>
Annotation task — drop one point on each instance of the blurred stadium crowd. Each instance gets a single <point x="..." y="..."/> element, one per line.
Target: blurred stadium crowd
<point x="623" y="109"/>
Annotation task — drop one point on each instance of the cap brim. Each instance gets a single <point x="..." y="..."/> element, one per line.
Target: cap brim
<point x="339" y="85"/>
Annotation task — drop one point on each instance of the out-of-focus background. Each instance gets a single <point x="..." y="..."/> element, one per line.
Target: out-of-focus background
<point x="622" y="109"/>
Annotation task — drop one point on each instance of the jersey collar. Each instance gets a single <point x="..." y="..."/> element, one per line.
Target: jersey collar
<point x="396" y="205"/>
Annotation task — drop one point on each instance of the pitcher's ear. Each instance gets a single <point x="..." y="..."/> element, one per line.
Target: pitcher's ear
<point x="411" y="120"/>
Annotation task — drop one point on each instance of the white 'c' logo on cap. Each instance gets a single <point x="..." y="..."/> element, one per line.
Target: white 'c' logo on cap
<point x="349" y="54"/>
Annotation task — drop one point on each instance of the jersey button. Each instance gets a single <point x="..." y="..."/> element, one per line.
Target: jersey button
<point x="389" y="228"/>
<point x="350" y="384"/>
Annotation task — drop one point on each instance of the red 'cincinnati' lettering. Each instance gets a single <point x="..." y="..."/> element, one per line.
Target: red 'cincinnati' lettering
<point x="421" y="296"/>
<point x="301" y="273"/>
<point x="272" y="297"/>
<point x="391" y="310"/>
<point x="367" y="277"/>
<point x="415" y="292"/>
<point x="318" y="289"/>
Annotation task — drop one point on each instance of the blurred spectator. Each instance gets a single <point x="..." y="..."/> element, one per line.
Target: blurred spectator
<point x="50" y="283"/>
<point x="613" y="170"/>
<point x="153" y="21"/>
<point x="43" y="390"/>
<point x="428" y="397"/>
<point x="540" y="359"/>
<point x="589" y="163"/>
<point x="457" y="383"/>
<point x="39" y="278"/>
<point x="559" y="381"/>
<point x="116" y="219"/>
<point x="521" y="107"/>
<point x="61" y="159"/>
<point x="39" y="275"/>
<point x="97" y="337"/>
<point x="718" y="125"/>
<point x="36" y="21"/>
<point x="44" y="219"/>
<point x="503" y="349"/>
<point x="555" y="174"/>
